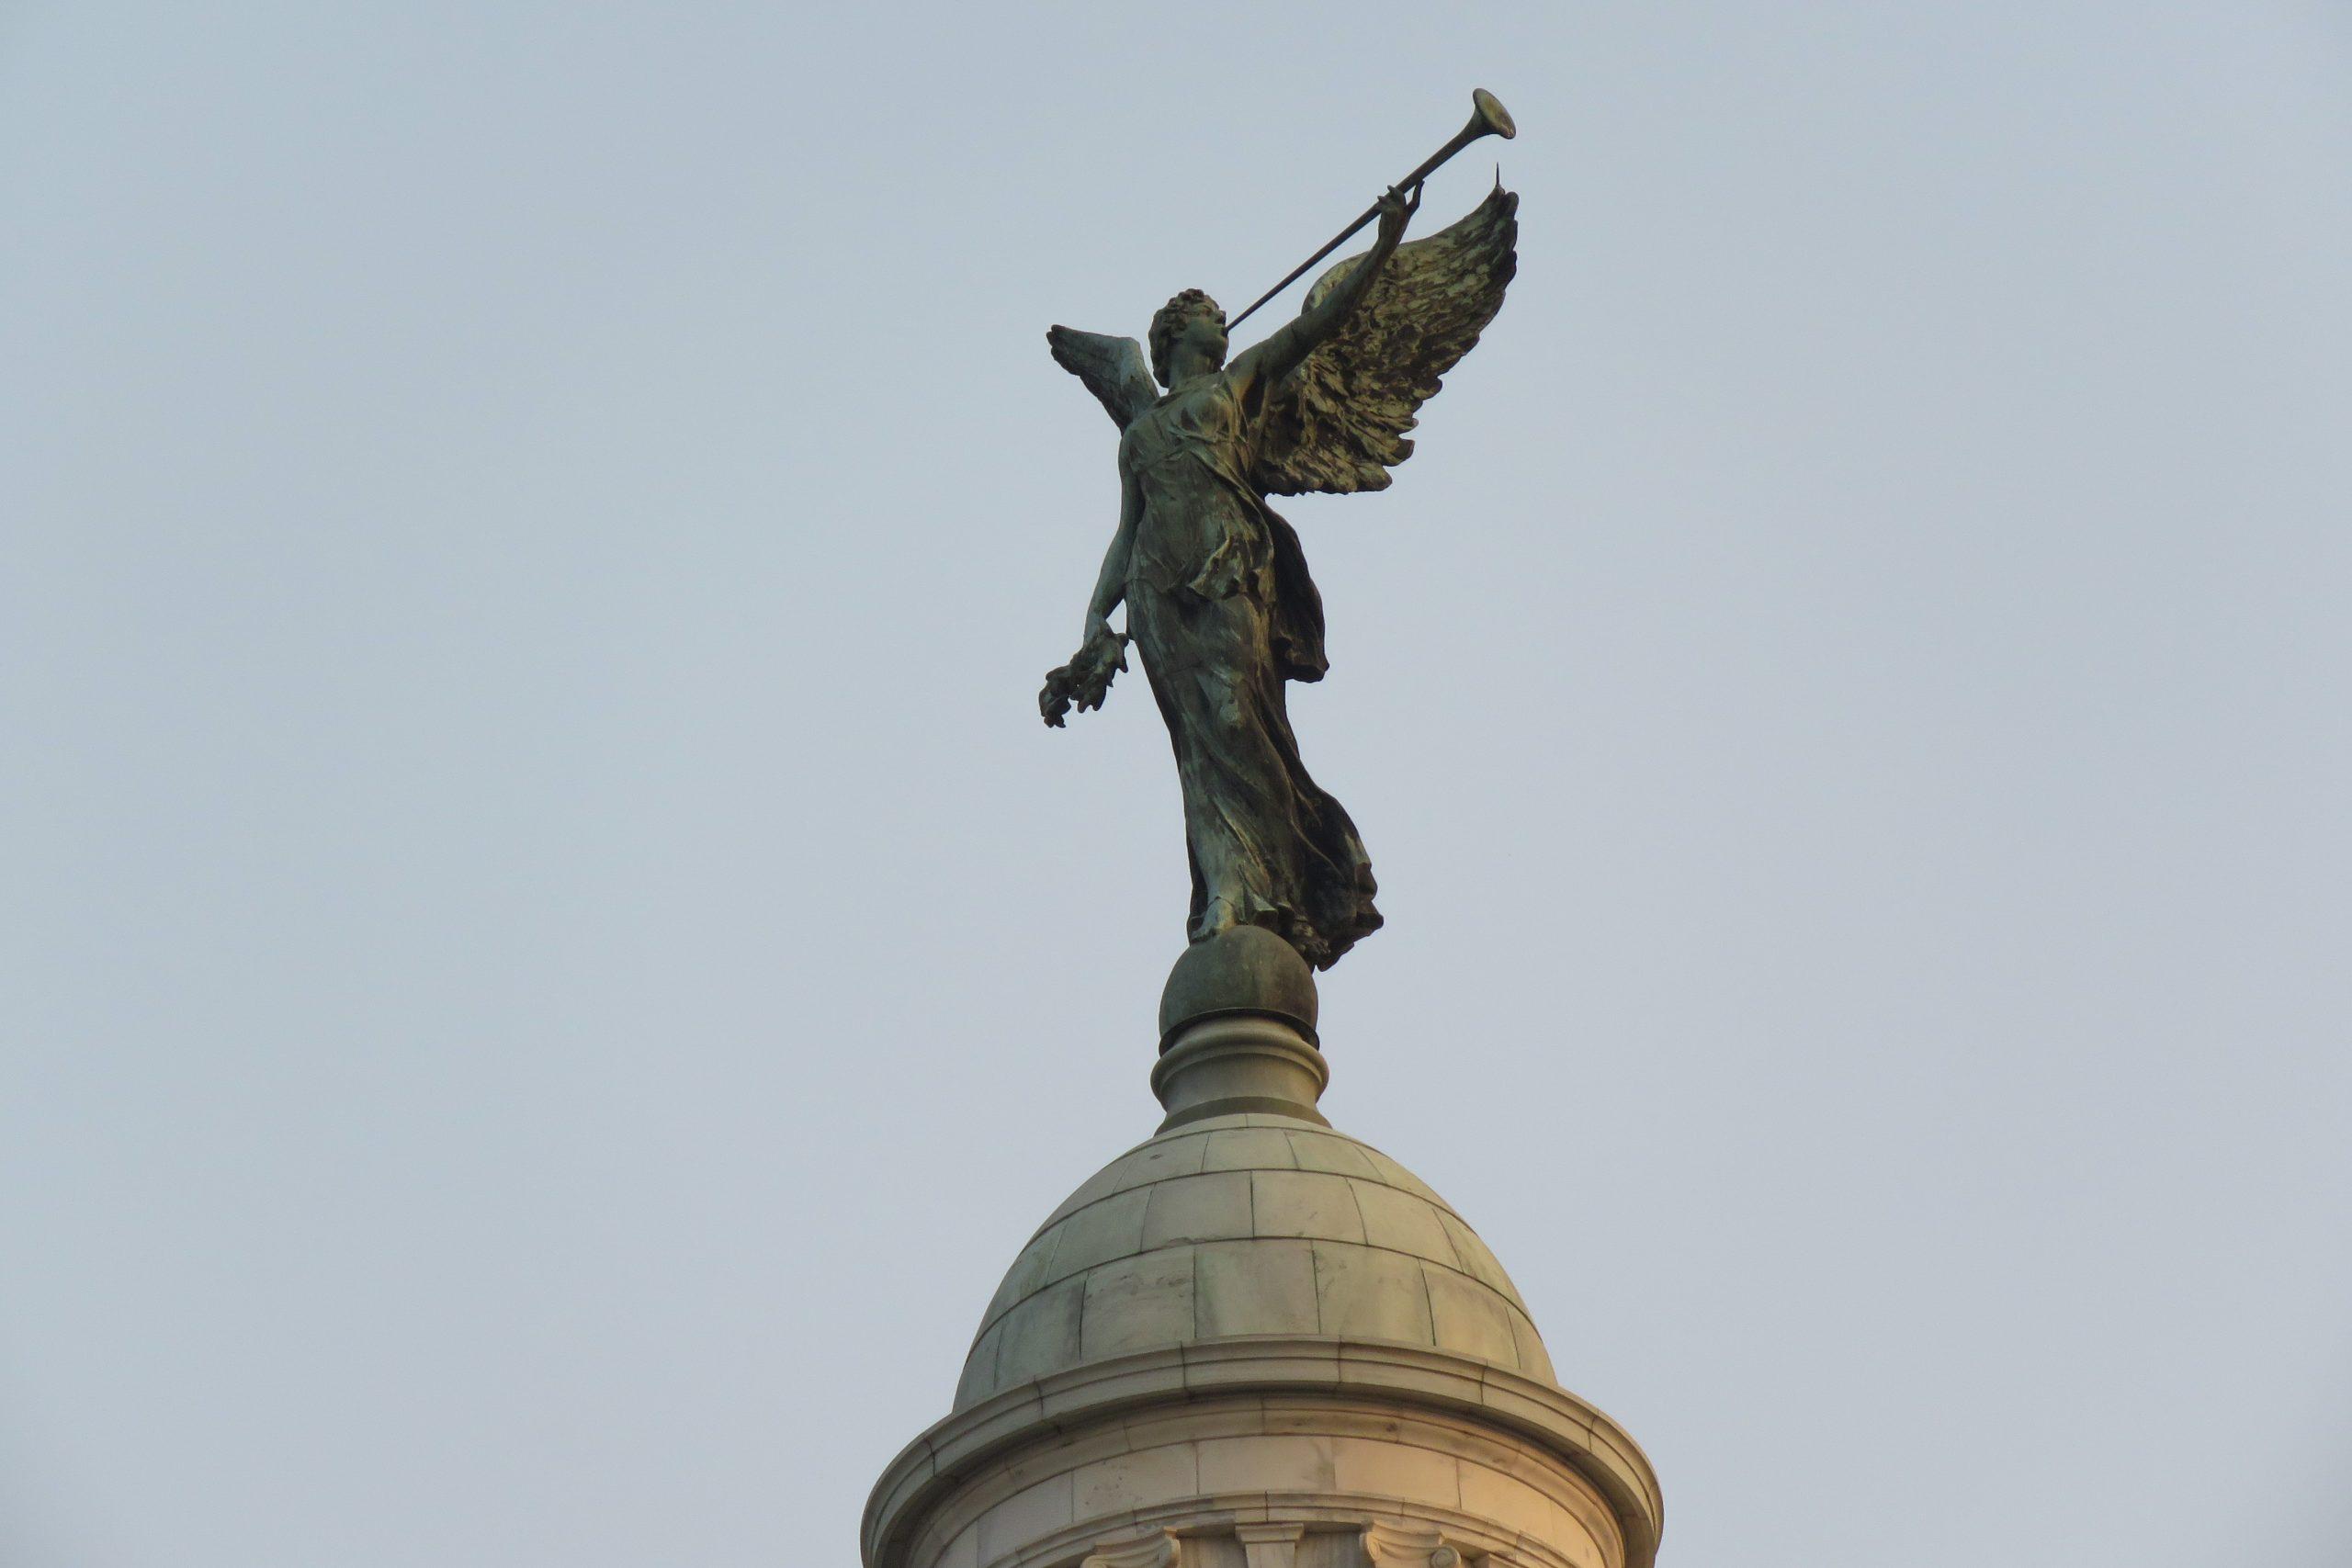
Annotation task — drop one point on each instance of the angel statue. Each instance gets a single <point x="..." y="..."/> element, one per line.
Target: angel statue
<point x="1216" y="588"/>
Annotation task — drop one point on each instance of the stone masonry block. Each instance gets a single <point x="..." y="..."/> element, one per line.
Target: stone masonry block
<point x="1261" y="1287"/>
<point x="1365" y="1294"/>
<point x="1308" y="1204"/>
<point x="1138" y="1303"/>
<point x="1198" y="1208"/>
<point x="1402" y="1222"/>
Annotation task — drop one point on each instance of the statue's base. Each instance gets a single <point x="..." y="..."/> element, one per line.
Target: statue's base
<point x="1252" y="1341"/>
<point x="1236" y="1031"/>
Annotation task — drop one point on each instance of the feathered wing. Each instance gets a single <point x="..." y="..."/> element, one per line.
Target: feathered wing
<point x="1337" y="422"/>
<point x="1114" y="369"/>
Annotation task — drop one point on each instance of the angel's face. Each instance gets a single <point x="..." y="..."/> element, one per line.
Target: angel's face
<point x="1201" y="342"/>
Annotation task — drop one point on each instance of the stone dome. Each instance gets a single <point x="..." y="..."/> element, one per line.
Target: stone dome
<point x="1246" y="1224"/>
<point x="1254" y="1342"/>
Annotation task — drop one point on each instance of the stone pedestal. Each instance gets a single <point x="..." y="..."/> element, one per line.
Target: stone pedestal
<point x="1254" y="1342"/>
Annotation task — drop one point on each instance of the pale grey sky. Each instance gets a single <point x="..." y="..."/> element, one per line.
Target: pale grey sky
<point x="549" y="963"/>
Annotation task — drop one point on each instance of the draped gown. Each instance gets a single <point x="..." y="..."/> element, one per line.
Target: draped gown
<point x="1222" y="608"/>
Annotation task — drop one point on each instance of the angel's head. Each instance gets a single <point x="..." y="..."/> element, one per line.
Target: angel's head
<point x="1187" y="334"/>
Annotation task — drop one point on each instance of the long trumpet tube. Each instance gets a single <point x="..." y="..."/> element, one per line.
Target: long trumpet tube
<point x="1487" y="118"/>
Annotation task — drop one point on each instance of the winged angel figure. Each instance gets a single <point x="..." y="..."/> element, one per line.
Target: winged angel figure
<point x="1217" y="593"/>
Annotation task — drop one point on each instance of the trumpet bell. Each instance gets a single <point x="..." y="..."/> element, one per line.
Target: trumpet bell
<point x="1489" y="113"/>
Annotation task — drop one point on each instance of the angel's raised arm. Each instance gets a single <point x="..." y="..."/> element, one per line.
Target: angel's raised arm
<point x="1267" y="363"/>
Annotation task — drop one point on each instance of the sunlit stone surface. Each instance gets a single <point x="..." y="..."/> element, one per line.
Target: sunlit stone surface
<point x="1252" y="1341"/>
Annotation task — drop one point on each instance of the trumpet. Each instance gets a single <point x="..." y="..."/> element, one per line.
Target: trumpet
<point x="1487" y="118"/>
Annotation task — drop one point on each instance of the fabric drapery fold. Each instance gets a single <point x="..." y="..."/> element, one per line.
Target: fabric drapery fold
<point x="1223" y="612"/>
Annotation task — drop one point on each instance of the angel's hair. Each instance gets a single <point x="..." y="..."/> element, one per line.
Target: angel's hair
<point x="1170" y="322"/>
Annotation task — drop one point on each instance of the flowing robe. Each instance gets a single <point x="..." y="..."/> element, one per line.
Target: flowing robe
<point x="1220" y="603"/>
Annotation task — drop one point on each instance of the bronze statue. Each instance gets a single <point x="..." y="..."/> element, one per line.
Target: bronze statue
<point x="1217" y="592"/>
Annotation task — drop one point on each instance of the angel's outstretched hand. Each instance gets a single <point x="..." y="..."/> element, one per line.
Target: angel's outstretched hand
<point x="1396" y="211"/>
<point x="1086" y="680"/>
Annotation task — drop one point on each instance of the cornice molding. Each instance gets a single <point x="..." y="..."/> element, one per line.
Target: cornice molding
<point x="1586" y="1440"/>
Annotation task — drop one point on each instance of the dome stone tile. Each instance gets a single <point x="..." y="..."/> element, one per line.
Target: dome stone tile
<point x="1362" y="1292"/>
<point x="1213" y="1207"/>
<point x="979" y="1378"/>
<point x="1403" y="1223"/>
<point x="1477" y="1260"/>
<point x="1149" y="1162"/>
<point x="1397" y="1176"/>
<point x="1533" y="1358"/>
<point x="1468" y="1316"/>
<point x="1341" y="1155"/>
<point x="1254" y="1287"/>
<point x="1112" y="1227"/>
<point x="1248" y="1148"/>
<point x="1305" y="1203"/>
<point x="1029" y="1273"/>
<point x="1041" y="1334"/>
<point x="1096" y="1186"/>
<point x="1138" y="1303"/>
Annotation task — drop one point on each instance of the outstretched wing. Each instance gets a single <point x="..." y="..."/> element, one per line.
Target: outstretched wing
<point x="1337" y="422"/>
<point x="1113" y="368"/>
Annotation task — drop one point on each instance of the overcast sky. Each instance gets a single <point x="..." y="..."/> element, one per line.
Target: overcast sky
<point x="547" y="963"/>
